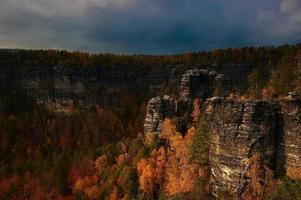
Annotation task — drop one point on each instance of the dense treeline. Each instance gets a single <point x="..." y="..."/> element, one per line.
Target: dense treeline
<point x="275" y="68"/>
<point x="268" y="55"/>
<point x="276" y="78"/>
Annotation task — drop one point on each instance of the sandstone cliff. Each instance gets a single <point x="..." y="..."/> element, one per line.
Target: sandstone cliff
<point x="238" y="130"/>
<point x="289" y="138"/>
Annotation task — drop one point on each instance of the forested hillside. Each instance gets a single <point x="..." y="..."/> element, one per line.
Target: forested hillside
<point x="102" y="153"/>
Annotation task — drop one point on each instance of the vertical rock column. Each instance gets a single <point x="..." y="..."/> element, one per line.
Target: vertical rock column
<point x="289" y="147"/>
<point x="238" y="130"/>
<point x="157" y="110"/>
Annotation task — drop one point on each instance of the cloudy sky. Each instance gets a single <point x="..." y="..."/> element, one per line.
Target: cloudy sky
<point x="148" y="26"/>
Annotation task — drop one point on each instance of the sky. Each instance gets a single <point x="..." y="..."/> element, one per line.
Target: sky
<point x="148" y="26"/>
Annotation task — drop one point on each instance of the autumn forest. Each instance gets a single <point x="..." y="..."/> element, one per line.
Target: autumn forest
<point x="103" y="152"/>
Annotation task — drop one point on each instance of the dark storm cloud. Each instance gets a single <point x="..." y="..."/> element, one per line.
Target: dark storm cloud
<point x="147" y="26"/>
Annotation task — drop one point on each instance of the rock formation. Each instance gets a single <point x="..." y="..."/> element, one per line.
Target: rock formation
<point x="238" y="130"/>
<point x="196" y="83"/>
<point x="289" y="138"/>
<point x="157" y="110"/>
<point x="201" y="83"/>
<point x="241" y="129"/>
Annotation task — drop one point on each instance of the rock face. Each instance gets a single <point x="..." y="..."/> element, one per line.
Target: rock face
<point x="157" y="110"/>
<point x="238" y="130"/>
<point x="289" y="133"/>
<point x="241" y="129"/>
<point x="196" y="83"/>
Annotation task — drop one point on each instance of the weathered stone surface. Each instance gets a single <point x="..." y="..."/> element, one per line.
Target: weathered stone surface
<point x="157" y="110"/>
<point x="289" y="133"/>
<point x="241" y="129"/>
<point x="238" y="130"/>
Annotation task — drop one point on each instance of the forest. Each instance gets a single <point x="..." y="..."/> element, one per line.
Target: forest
<point x="267" y="55"/>
<point x="102" y="153"/>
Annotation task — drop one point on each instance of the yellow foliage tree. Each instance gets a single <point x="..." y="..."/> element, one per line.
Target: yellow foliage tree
<point x="101" y="164"/>
<point x="180" y="173"/>
<point x="151" y="171"/>
<point x="169" y="129"/>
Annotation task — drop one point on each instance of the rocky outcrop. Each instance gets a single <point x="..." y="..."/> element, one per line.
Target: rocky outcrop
<point x="289" y="133"/>
<point x="196" y="83"/>
<point x="201" y="83"/>
<point x="238" y="130"/>
<point x="157" y="110"/>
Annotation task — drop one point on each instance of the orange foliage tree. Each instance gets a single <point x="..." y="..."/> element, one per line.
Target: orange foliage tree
<point x="180" y="173"/>
<point x="169" y="129"/>
<point x="151" y="171"/>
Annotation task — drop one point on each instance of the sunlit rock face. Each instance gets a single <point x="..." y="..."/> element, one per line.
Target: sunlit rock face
<point x="241" y="129"/>
<point x="238" y="130"/>
<point x="289" y="137"/>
